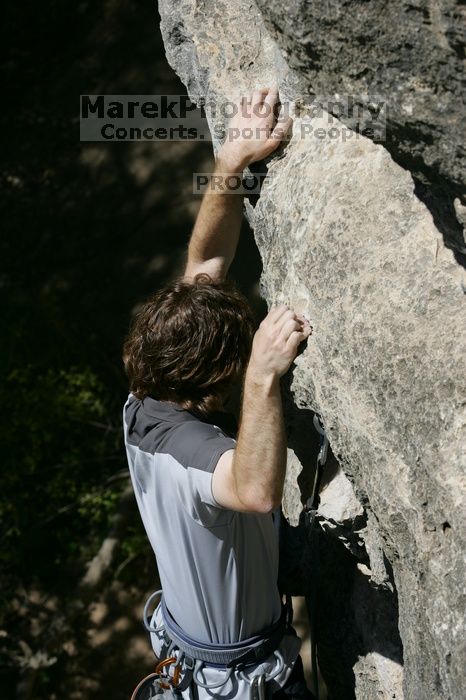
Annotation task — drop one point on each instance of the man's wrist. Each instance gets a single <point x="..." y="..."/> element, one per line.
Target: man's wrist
<point x="229" y="164"/>
<point x="262" y="380"/>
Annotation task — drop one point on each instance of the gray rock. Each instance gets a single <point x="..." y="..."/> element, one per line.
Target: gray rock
<point x="410" y="53"/>
<point x="344" y="238"/>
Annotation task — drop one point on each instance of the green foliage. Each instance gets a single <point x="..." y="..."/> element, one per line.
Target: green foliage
<point x="59" y="454"/>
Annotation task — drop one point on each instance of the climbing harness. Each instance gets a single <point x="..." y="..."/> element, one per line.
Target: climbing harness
<point x="310" y="511"/>
<point x="194" y="655"/>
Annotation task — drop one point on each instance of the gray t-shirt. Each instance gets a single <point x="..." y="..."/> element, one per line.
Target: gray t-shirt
<point x="218" y="568"/>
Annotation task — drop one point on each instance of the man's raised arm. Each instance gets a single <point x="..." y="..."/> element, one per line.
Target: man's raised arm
<point x="215" y="235"/>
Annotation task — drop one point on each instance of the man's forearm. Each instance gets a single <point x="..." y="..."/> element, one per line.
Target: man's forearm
<point x="259" y="463"/>
<point x="253" y="133"/>
<point x="250" y="477"/>
<point x="216" y="232"/>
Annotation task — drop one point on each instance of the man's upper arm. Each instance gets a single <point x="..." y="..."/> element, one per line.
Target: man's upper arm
<point x="198" y="446"/>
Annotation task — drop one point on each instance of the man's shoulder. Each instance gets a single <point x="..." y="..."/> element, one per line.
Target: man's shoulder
<point x="157" y="427"/>
<point x="200" y="444"/>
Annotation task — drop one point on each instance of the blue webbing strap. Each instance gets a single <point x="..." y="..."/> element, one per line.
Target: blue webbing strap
<point x="240" y="654"/>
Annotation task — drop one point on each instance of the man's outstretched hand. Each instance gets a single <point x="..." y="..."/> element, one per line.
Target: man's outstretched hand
<point x="254" y="131"/>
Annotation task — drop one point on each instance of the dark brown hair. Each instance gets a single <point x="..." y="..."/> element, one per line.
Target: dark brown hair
<point x="189" y="342"/>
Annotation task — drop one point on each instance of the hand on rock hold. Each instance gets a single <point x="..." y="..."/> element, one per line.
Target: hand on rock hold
<point x="259" y="124"/>
<point x="277" y="341"/>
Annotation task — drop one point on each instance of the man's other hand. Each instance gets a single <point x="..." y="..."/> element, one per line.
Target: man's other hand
<point x="276" y="342"/>
<point x="254" y="131"/>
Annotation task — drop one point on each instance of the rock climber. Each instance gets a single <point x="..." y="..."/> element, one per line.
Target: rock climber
<point x="208" y="492"/>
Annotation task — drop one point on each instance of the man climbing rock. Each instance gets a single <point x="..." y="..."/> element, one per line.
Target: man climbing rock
<point x="208" y="493"/>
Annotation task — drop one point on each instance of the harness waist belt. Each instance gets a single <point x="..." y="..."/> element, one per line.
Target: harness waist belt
<point x="240" y="654"/>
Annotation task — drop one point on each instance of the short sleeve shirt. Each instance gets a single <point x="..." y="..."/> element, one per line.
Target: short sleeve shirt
<point x="218" y="568"/>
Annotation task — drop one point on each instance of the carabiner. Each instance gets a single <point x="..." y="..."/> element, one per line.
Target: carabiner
<point x="323" y="447"/>
<point x="257" y="688"/>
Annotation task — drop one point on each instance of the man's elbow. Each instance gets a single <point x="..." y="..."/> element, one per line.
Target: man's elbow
<point x="258" y="502"/>
<point x="268" y="506"/>
<point x="216" y="268"/>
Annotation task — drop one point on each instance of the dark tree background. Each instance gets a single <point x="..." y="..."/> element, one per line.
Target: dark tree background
<point x="88" y="231"/>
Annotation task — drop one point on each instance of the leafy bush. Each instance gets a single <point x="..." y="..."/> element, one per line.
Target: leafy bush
<point x="60" y="451"/>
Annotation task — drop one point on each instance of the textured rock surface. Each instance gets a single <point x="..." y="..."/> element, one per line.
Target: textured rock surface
<point x="344" y="238"/>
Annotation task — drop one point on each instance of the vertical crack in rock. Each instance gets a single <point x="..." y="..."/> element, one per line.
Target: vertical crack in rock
<point x="344" y="237"/>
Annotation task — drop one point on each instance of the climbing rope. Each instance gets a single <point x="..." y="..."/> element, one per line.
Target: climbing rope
<point x="310" y="511"/>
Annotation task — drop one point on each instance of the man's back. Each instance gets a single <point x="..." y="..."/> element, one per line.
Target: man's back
<point x="218" y="568"/>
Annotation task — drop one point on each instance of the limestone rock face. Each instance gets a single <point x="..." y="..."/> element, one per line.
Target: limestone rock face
<point x="345" y="239"/>
<point x="412" y="55"/>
